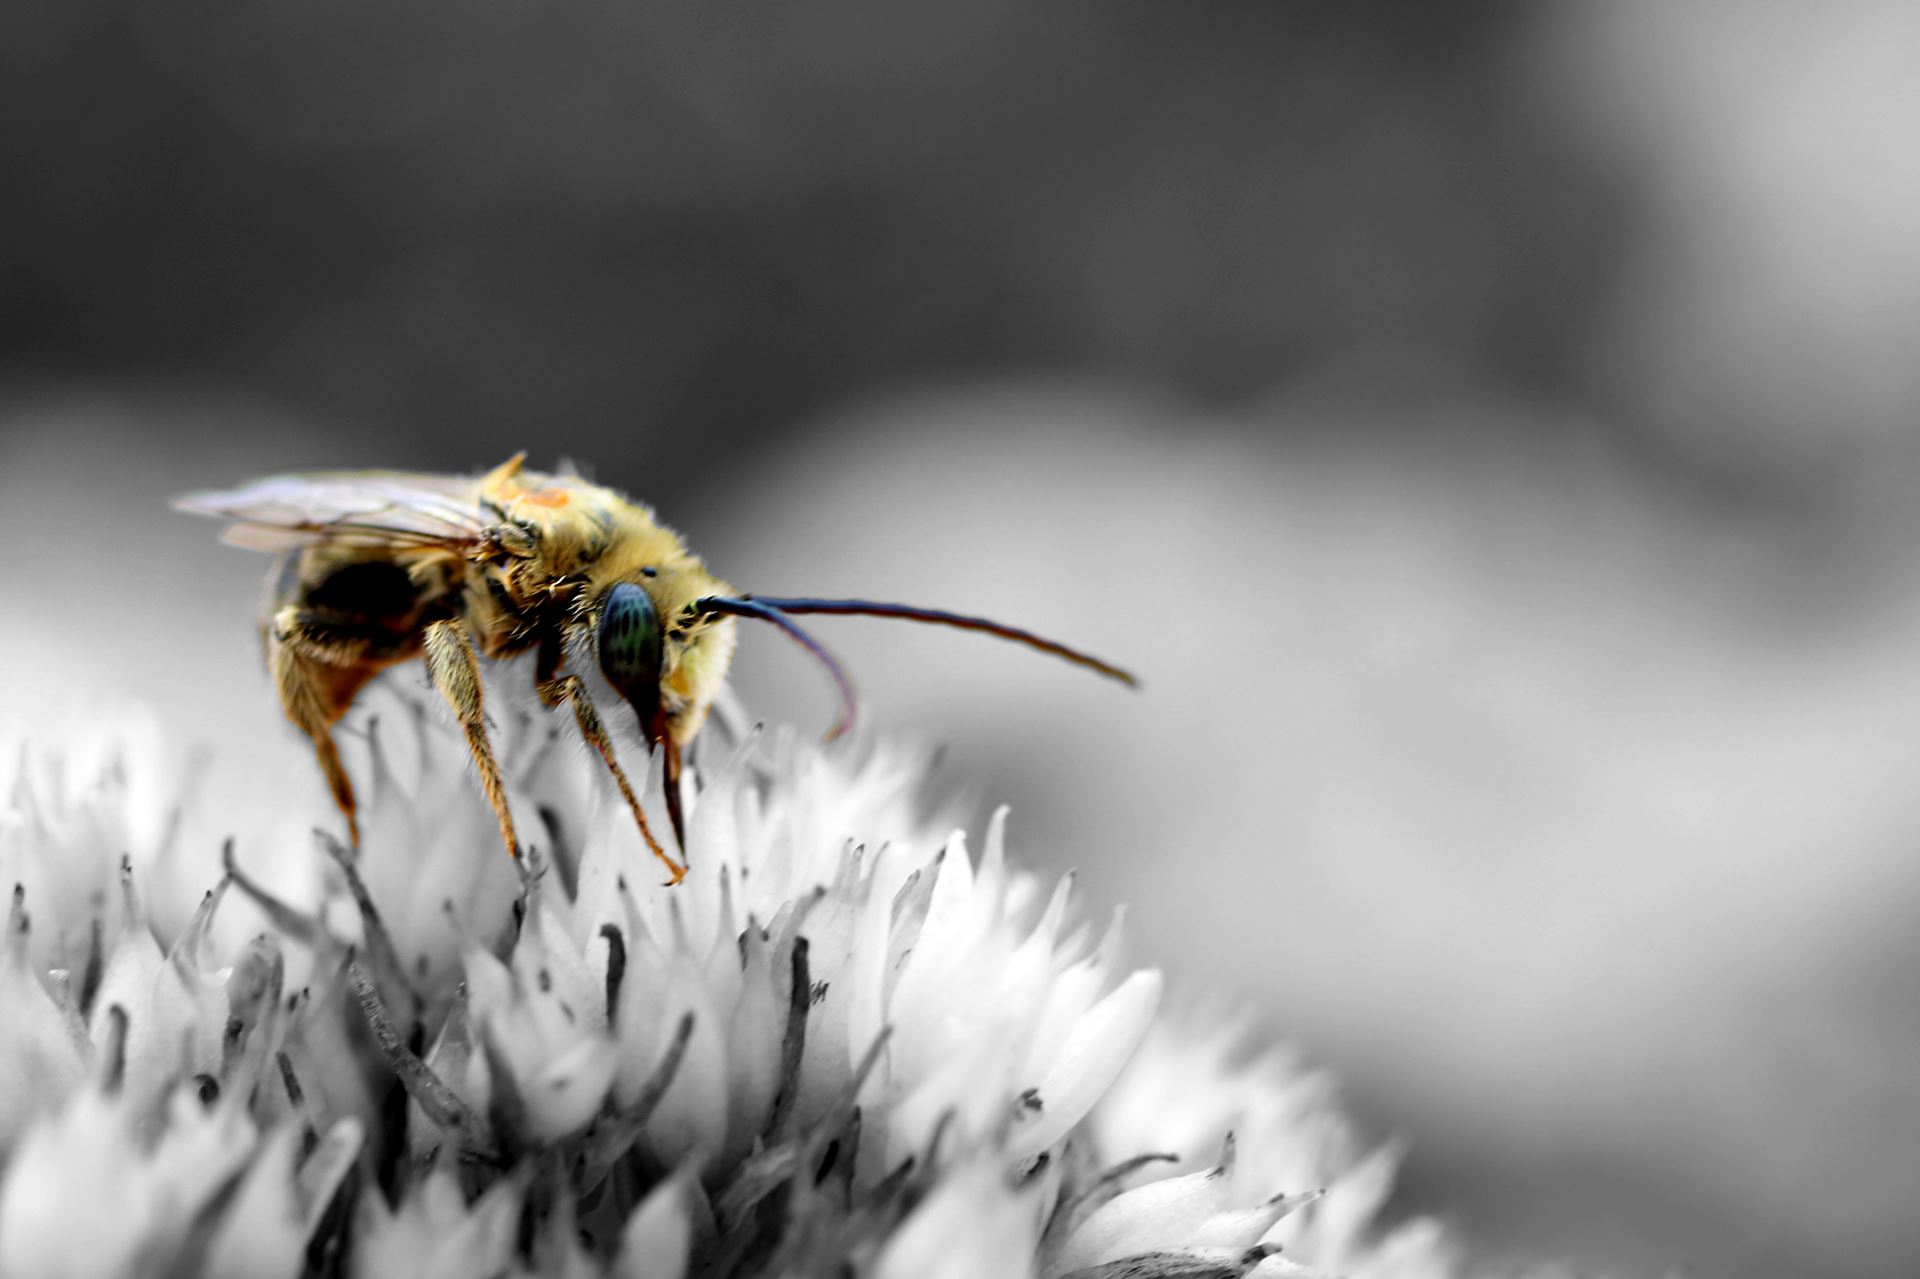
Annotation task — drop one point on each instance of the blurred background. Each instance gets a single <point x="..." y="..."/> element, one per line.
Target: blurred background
<point x="1490" y="429"/>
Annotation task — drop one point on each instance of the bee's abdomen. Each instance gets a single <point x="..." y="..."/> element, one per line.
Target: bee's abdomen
<point x="366" y="590"/>
<point x="374" y="599"/>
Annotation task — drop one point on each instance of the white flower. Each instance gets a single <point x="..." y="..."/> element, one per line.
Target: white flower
<point x="43" y="1043"/>
<point x="843" y="1045"/>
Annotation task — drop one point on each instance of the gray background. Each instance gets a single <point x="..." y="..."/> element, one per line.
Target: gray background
<point x="1489" y="428"/>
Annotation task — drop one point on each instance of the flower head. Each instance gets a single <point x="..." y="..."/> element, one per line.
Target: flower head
<point x="843" y="1043"/>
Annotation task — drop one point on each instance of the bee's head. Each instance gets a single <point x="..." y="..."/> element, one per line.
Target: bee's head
<point x="632" y="647"/>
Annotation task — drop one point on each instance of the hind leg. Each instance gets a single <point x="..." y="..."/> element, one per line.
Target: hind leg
<point x="317" y="669"/>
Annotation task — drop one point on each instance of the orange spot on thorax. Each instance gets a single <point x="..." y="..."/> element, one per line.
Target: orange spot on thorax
<point x="541" y="497"/>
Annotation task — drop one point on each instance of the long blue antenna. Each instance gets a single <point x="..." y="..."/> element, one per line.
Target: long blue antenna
<point x="744" y="606"/>
<point x="870" y="608"/>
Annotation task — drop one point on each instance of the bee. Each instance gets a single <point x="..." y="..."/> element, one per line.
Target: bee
<point x="378" y="568"/>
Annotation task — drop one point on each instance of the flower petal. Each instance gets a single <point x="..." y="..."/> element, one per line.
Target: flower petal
<point x="1090" y="1058"/>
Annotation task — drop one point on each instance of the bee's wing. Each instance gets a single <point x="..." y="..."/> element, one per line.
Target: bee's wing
<point x="372" y="508"/>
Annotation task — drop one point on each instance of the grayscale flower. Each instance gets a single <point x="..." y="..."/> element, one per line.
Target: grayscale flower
<point x="843" y="1045"/>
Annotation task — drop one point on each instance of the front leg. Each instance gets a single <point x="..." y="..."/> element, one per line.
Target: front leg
<point x="456" y="673"/>
<point x="555" y="688"/>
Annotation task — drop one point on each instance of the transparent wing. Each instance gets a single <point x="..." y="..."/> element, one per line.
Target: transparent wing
<point x="373" y="508"/>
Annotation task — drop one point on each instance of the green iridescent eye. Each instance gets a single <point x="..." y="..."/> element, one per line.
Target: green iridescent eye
<point x="630" y="646"/>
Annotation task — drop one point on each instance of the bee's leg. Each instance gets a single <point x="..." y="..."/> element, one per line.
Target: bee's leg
<point x="316" y="682"/>
<point x="320" y="639"/>
<point x="670" y="780"/>
<point x="555" y="689"/>
<point x="456" y="673"/>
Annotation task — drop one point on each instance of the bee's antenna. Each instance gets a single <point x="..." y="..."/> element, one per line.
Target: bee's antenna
<point x="869" y="608"/>
<point x="745" y="606"/>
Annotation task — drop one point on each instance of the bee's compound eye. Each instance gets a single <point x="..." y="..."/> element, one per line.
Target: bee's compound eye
<point x="630" y="644"/>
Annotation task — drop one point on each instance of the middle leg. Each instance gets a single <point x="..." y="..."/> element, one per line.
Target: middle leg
<point x="456" y="673"/>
